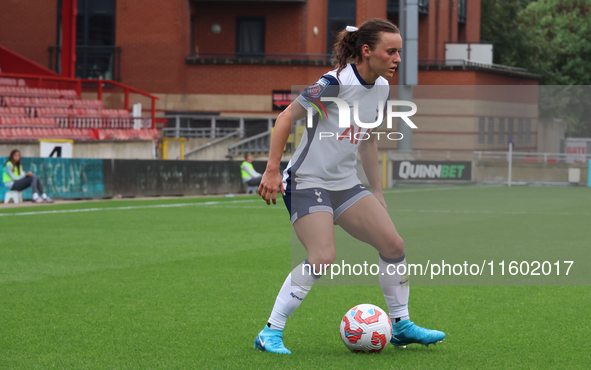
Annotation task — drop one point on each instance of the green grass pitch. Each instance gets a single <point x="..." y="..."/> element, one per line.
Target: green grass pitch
<point x="146" y="285"/>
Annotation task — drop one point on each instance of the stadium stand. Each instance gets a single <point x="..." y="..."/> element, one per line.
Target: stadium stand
<point x="28" y="113"/>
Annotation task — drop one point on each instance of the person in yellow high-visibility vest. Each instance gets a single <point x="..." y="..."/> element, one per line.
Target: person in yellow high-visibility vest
<point x="15" y="178"/>
<point x="249" y="175"/>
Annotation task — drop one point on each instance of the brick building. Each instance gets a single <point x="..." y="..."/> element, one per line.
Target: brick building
<point x="228" y="57"/>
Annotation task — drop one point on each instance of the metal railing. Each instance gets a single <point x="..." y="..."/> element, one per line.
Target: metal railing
<point x="533" y="157"/>
<point x="104" y="122"/>
<point x="451" y="155"/>
<point x="211" y="143"/>
<point x="96" y="62"/>
<point x="271" y="57"/>
<point x="467" y="63"/>
<point x="257" y="144"/>
<point x="213" y="126"/>
<point x="439" y="155"/>
<point x="198" y="133"/>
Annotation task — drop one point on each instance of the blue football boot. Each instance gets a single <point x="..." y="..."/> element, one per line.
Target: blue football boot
<point x="405" y="332"/>
<point x="270" y="340"/>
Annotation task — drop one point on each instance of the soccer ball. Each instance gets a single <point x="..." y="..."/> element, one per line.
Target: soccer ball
<point x="366" y="328"/>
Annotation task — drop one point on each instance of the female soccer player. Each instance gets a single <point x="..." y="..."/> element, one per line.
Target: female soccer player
<point x="15" y="178"/>
<point x="321" y="188"/>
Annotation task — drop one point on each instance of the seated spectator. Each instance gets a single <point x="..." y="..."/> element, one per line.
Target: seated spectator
<point x="16" y="179"/>
<point x="249" y="175"/>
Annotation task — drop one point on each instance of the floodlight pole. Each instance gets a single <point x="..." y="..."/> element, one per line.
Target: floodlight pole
<point x="408" y="23"/>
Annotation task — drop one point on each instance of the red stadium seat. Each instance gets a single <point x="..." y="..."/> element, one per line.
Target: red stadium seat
<point x="32" y="92"/>
<point x="13" y="112"/>
<point x="28" y="122"/>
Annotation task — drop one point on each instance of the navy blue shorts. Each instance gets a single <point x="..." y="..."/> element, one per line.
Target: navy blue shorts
<point x="305" y="201"/>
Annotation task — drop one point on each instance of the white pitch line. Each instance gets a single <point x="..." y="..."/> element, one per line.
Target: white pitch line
<point x="490" y="212"/>
<point x="436" y="211"/>
<point x="249" y="207"/>
<point x="124" y="208"/>
<point x="436" y="189"/>
<point x="226" y="204"/>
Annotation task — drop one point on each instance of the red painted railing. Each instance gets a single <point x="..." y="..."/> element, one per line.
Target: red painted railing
<point x="57" y="82"/>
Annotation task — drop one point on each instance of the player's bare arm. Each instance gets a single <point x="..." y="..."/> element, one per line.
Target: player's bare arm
<point x="271" y="181"/>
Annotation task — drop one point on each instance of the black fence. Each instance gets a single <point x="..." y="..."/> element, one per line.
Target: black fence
<point x="80" y="178"/>
<point x="157" y="178"/>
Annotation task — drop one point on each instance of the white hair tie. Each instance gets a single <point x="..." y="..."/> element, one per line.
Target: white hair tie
<point x="351" y="29"/>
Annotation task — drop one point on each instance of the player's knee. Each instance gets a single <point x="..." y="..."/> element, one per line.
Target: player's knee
<point x="327" y="259"/>
<point x="395" y="245"/>
<point x="323" y="258"/>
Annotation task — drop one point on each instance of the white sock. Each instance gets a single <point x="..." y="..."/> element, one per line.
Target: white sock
<point x="44" y="196"/>
<point x="396" y="294"/>
<point x="35" y="196"/>
<point x="292" y="293"/>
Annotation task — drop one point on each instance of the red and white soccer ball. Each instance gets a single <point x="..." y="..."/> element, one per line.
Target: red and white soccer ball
<point x="366" y="328"/>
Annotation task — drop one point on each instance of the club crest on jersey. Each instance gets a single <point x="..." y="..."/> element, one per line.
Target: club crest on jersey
<point x="318" y="87"/>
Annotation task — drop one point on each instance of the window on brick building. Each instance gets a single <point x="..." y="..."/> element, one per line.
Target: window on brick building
<point x="462" y="11"/>
<point x="481" y="124"/>
<point x="424" y="6"/>
<point x="96" y="53"/>
<point x="520" y="130"/>
<point x="491" y="131"/>
<point x="510" y="129"/>
<point x="501" y="131"/>
<point x="250" y="36"/>
<point x="527" y="130"/>
<point x="393" y="7"/>
<point x="341" y="13"/>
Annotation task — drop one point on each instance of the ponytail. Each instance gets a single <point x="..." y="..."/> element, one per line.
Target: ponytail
<point x="349" y="43"/>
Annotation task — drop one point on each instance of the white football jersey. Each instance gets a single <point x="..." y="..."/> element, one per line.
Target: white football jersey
<point x="328" y="161"/>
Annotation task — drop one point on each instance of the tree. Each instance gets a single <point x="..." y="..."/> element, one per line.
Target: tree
<point x="553" y="39"/>
<point x="499" y="26"/>
<point x="571" y="103"/>
<point x="558" y="40"/>
<point x="559" y="43"/>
